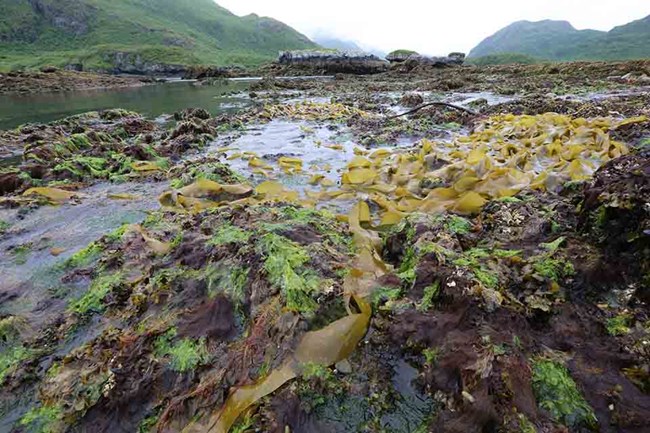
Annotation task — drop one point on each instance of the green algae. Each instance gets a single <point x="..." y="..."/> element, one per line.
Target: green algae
<point x="472" y="260"/>
<point x="21" y="253"/>
<point x="384" y="294"/>
<point x="91" y="301"/>
<point x="83" y="166"/>
<point x="618" y="325"/>
<point x="431" y="355"/>
<point x="228" y="278"/>
<point x="555" y="245"/>
<point x="284" y="263"/>
<point x="4" y="227"/>
<point x="441" y="252"/>
<point x="558" y="393"/>
<point x="458" y="225"/>
<point x="525" y="425"/>
<point x="245" y="425"/>
<point x="508" y="200"/>
<point x="9" y="329"/>
<point x="229" y="234"/>
<point x="42" y="419"/>
<point x="85" y="256"/>
<point x="214" y="171"/>
<point x="117" y="234"/>
<point x="318" y="386"/>
<point x="552" y="268"/>
<point x="429" y="296"/>
<point x="11" y="357"/>
<point x="407" y="269"/>
<point x="323" y="221"/>
<point x="183" y="355"/>
<point x="148" y="424"/>
<point x="504" y="254"/>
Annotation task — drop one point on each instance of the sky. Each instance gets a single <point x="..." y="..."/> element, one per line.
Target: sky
<point x="433" y="27"/>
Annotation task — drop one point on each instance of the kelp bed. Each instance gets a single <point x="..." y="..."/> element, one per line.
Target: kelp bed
<point x="497" y="281"/>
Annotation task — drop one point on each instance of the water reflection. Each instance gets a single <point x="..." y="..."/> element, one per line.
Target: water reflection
<point x="151" y="101"/>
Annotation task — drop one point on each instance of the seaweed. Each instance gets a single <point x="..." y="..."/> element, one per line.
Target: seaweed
<point x="557" y="393"/>
<point x="183" y="355"/>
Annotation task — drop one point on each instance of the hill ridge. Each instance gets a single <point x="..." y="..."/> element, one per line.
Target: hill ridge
<point x="146" y="35"/>
<point x="560" y="40"/>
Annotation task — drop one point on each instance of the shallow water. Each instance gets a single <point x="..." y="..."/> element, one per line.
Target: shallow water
<point x="151" y="101"/>
<point x="309" y="141"/>
<point x="25" y="250"/>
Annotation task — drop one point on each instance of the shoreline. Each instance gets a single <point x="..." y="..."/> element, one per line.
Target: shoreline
<point x="31" y="82"/>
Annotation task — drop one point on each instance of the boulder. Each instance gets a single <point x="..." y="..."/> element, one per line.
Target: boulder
<point x="333" y="61"/>
<point x="457" y="58"/>
<point x="48" y="69"/>
<point x="399" y="56"/>
<point x="411" y="100"/>
<point x="419" y="61"/>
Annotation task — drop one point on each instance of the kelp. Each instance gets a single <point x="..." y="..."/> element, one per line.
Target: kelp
<point x="53" y="195"/>
<point x="503" y="156"/>
<point x="314" y="111"/>
<point x="326" y="346"/>
<point x="203" y="194"/>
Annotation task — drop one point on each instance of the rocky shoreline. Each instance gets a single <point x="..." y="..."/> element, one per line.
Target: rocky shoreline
<point x="315" y="263"/>
<point x="57" y="80"/>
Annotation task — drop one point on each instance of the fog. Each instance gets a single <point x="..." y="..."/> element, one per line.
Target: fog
<point x="435" y="27"/>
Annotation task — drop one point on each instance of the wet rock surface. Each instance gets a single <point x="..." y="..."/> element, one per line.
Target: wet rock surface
<point x="314" y="264"/>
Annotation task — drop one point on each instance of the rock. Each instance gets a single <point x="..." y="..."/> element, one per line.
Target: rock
<point x="192" y="113"/>
<point x="616" y="211"/>
<point x="134" y="63"/>
<point x="343" y="366"/>
<point x="399" y="56"/>
<point x="411" y="100"/>
<point x="10" y="182"/>
<point x="74" y="20"/>
<point x="456" y="57"/>
<point x="49" y="69"/>
<point x="416" y="60"/>
<point x="78" y="67"/>
<point x="333" y="62"/>
<point x="428" y="61"/>
<point x="631" y="78"/>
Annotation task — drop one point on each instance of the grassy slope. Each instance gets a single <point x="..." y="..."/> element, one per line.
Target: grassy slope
<point x="556" y="40"/>
<point x="167" y="31"/>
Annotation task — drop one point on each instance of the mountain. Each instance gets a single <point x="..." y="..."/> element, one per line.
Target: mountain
<point x="559" y="40"/>
<point x="120" y="35"/>
<point x="336" y="43"/>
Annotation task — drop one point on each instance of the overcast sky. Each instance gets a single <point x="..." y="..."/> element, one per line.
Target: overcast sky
<point x="430" y="26"/>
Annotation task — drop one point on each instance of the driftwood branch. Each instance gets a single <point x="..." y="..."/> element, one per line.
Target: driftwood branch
<point x="429" y="104"/>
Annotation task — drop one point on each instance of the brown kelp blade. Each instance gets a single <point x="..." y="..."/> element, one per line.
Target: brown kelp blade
<point x="326" y="346"/>
<point x="54" y="195"/>
<point x="203" y="194"/>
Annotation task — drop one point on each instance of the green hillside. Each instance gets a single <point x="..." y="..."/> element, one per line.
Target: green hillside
<point x="111" y="34"/>
<point x="559" y="40"/>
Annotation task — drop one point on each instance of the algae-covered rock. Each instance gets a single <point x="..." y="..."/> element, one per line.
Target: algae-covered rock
<point x="399" y="56"/>
<point x="334" y="61"/>
<point x="616" y="212"/>
<point x="267" y="268"/>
